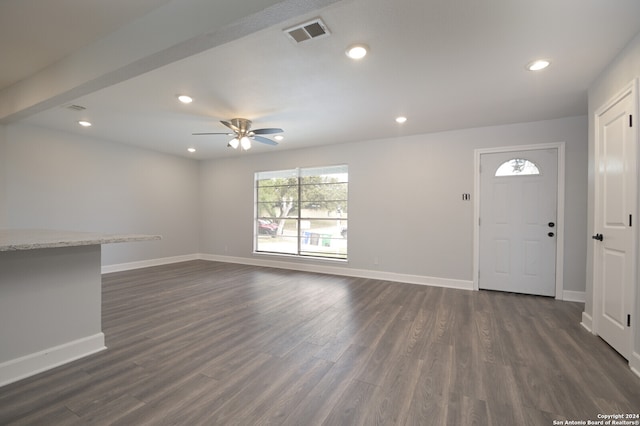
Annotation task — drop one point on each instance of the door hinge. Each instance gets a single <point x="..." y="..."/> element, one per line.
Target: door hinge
<point x="629" y="320"/>
<point x="630" y="120"/>
<point x="630" y="221"/>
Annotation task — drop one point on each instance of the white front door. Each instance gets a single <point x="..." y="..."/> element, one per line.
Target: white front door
<point x="614" y="239"/>
<point x="518" y="209"/>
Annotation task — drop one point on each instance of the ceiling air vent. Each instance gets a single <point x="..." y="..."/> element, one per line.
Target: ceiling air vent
<point x="308" y="31"/>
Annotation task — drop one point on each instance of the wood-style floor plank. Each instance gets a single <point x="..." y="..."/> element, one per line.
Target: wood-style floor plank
<point x="209" y="343"/>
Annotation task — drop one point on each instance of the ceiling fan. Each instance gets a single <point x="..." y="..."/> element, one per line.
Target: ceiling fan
<point x="243" y="134"/>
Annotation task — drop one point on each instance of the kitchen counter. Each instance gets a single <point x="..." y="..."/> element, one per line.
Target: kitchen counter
<point x="32" y="239"/>
<point x="51" y="298"/>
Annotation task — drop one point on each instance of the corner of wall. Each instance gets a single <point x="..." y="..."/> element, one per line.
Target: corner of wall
<point x="3" y="178"/>
<point x="587" y="322"/>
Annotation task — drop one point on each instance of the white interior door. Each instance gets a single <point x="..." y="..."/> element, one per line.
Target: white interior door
<point x="614" y="239"/>
<point x="518" y="209"/>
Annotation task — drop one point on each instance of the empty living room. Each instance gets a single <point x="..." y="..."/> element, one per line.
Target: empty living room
<point x="338" y="212"/>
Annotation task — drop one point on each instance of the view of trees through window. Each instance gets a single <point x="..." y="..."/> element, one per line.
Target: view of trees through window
<point x="302" y="211"/>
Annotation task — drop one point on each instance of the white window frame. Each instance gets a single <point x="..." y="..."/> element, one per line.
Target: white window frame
<point x="298" y="173"/>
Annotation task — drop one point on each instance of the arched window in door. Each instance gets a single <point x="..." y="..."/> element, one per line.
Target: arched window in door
<point x="517" y="167"/>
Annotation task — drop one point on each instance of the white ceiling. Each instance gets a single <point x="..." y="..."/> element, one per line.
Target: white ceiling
<point x="445" y="64"/>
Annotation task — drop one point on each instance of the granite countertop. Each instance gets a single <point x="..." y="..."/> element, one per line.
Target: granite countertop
<point x="32" y="239"/>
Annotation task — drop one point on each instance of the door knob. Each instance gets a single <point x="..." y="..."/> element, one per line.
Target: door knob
<point x="551" y="234"/>
<point x="598" y="237"/>
<point x="551" y="224"/>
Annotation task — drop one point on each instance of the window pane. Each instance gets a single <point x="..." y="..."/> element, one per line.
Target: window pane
<point x="277" y="194"/>
<point x="324" y="192"/>
<point x="267" y="227"/>
<point x="323" y="237"/>
<point x="323" y="226"/>
<point x="315" y="224"/>
<point x="286" y="243"/>
<point x="277" y="197"/>
<point x="324" y="210"/>
<point x="517" y="167"/>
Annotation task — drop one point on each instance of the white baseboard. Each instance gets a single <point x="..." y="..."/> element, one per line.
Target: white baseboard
<point x="32" y="364"/>
<point x="119" y="267"/>
<point x="574" y="296"/>
<point x="567" y="295"/>
<point x="587" y="322"/>
<point x="297" y="266"/>
<point x="335" y="270"/>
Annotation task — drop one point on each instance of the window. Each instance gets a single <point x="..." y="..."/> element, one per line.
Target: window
<point x="517" y="167"/>
<point x="302" y="212"/>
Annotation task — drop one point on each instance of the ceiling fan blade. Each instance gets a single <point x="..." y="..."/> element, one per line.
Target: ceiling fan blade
<point x="231" y="126"/>
<point x="264" y="140"/>
<point x="267" y="131"/>
<point x="198" y="134"/>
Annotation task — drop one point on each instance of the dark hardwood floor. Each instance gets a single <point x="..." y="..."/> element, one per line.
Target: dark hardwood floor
<point x="221" y="344"/>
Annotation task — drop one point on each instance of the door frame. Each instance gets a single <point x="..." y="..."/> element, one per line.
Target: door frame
<point x="560" y="146"/>
<point x="632" y="89"/>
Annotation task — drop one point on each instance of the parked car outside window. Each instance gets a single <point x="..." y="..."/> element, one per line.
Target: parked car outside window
<point x="266" y="227"/>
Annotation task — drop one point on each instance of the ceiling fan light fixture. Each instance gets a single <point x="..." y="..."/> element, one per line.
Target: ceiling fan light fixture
<point x="245" y="142"/>
<point x="278" y="137"/>
<point x="243" y="134"/>
<point x="84" y="123"/>
<point x="191" y="150"/>
<point x="185" y="99"/>
<point x="401" y="120"/>
<point x="357" y="51"/>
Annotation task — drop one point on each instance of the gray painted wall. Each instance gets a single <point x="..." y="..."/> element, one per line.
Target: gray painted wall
<point x="405" y="201"/>
<point x="63" y="181"/>
<point x="3" y="167"/>
<point x="622" y="70"/>
<point x="405" y="206"/>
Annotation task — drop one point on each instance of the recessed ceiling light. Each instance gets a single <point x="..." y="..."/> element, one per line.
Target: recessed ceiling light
<point x="538" y="65"/>
<point x="185" y="99"/>
<point x="278" y="137"/>
<point x="401" y="120"/>
<point x="191" y="149"/>
<point x="84" y="123"/>
<point x="357" y="51"/>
